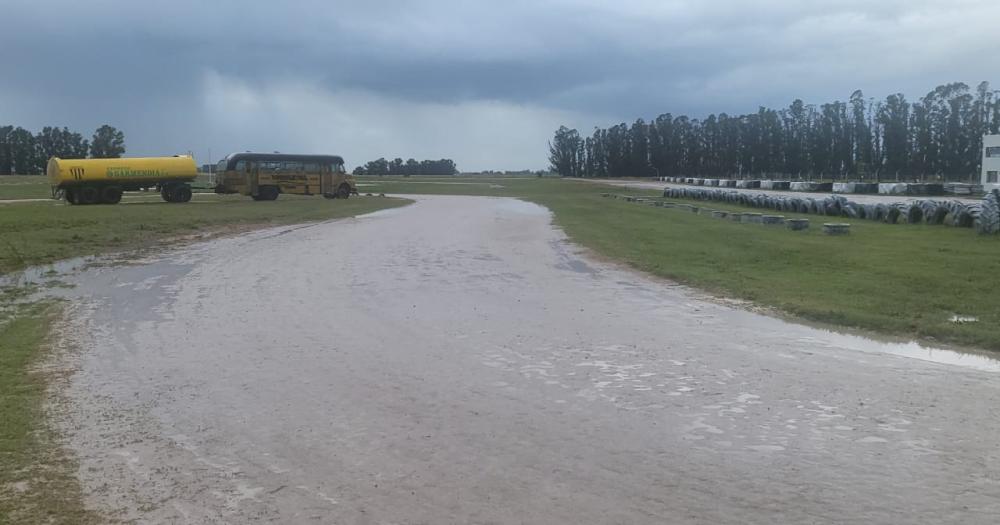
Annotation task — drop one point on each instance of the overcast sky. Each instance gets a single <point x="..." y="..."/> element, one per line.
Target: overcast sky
<point x="485" y="83"/>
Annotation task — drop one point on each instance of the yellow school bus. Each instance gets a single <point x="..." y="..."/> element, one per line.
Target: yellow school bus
<point x="264" y="176"/>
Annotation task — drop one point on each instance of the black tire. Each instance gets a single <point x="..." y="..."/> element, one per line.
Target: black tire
<point x="71" y="196"/>
<point x="167" y="193"/>
<point x="111" y="195"/>
<point x="344" y="191"/>
<point x="267" y="193"/>
<point x="182" y="194"/>
<point x="88" y="195"/>
<point x="329" y="195"/>
<point x="989" y="215"/>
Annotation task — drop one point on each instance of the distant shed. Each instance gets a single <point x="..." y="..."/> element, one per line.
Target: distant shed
<point x="991" y="162"/>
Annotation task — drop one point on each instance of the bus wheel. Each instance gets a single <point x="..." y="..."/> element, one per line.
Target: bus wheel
<point x="88" y="195"/>
<point x="329" y="195"/>
<point x="344" y="191"/>
<point x="111" y="195"/>
<point x="267" y="193"/>
<point x="182" y="194"/>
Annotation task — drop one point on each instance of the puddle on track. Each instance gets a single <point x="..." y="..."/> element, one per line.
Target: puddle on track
<point x="911" y="349"/>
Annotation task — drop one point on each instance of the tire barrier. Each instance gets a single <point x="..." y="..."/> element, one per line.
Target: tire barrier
<point x="959" y="188"/>
<point x="989" y="214"/>
<point x="984" y="217"/>
<point x="884" y="188"/>
<point x="855" y="187"/>
<point x="925" y="211"/>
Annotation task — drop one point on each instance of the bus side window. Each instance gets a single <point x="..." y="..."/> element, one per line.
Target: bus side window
<point x="240" y="166"/>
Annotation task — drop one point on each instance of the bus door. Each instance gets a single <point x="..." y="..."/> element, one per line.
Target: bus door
<point x="252" y="177"/>
<point x="326" y="180"/>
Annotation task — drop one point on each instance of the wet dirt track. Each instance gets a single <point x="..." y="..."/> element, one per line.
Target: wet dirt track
<point x="457" y="361"/>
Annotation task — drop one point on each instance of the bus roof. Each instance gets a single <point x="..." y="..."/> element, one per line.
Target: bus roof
<point x="233" y="158"/>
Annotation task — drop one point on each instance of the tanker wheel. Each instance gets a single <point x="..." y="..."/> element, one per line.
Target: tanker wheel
<point x="344" y="191"/>
<point x="167" y="194"/>
<point x="111" y="195"/>
<point x="71" y="196"/>
<point x="88" y="195"/>
<point x="182" y="194"/>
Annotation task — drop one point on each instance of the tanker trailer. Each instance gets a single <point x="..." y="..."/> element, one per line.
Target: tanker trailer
<point x="102" y="181"/>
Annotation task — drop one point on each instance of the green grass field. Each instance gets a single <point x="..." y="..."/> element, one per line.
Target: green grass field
<point x="40" y="233"/>
<point x="24" y="187"/>
<point x="903" y="280"/>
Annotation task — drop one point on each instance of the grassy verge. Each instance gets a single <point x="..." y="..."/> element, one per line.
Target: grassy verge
<point x="39" y="233"/>
<point x="24" y="187"/>
<point x="37" y="481"/>
<point x="905" y="280"/>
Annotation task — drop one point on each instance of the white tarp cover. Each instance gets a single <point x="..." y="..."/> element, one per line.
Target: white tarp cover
<point x="893" y="188"/>
<point x="805" y="186"/>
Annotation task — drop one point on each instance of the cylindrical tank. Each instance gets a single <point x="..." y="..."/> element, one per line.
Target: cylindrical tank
<point x="125" y="172"/>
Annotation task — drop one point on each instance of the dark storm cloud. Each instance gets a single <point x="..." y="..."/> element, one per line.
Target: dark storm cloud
<point x="489" y="81"/>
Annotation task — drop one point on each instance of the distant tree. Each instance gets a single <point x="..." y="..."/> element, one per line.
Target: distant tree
<point x="107" y="143"/>
<point x="412" y="167"/>
<point x="564" y="152"/>
<point x="940" y="135"/>
<point x="377" y="167"/>
<point x="638" y="138"/>
<point x="5" y="159"/>
<point x="894" y="118"/>
<point x="62" y="143"/>
<point x="23" y="152"/>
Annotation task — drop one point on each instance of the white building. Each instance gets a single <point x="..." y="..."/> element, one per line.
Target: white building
<point x="991" y="162"/>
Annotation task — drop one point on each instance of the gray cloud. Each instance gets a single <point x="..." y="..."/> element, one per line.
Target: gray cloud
<point x="482" y="82"/>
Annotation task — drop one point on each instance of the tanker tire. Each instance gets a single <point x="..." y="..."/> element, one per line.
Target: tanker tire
<point x="167" y="194"/>
<point x="182" y="194"/>
<point x="111" y="195"/>
<point x="88" y="195"/>
<point x="71" y="196"/>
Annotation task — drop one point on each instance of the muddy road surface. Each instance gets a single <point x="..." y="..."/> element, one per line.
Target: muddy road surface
<point x="458" y="361"/>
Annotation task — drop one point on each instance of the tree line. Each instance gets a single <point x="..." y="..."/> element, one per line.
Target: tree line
<point x="938" y="136"/>
<point x="24" y="153"/>
<point x="410" y="167"/>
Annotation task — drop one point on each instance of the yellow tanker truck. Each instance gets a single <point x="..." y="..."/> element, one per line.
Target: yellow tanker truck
<point x="102" y="181"/>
